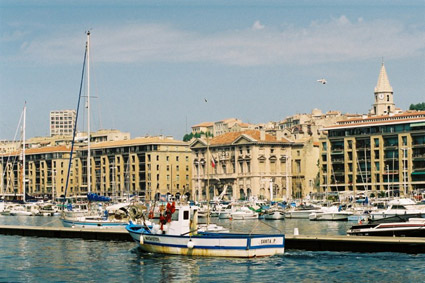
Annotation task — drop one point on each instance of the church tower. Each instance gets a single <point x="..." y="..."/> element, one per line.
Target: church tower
<point x="384" y="102"/>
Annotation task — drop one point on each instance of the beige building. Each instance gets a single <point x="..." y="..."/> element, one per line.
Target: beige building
<point x="205" y="127"/>
<point x="222" y="127"/>
<point x="46" y="171"/>
<point x="384" y="96"/>
<point x="149" y="167"/>
<point x="62" y="122"/>
<point x="9" y="146"/>
<point x="381" y="154"/>
<point x="303" y="126"/>
<point x="246" y="165"/>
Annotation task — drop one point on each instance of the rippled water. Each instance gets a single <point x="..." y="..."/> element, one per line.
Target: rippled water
<point x="31" y="259"/>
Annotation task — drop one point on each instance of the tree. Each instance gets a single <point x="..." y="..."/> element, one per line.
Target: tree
<point x="418" y="107"/>
<point x="188" y="137"/>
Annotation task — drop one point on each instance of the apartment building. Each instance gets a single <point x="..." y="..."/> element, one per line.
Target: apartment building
<point x="150" y="167"/>
<point x="62" y="122"/>
<point x="382" y="153"/>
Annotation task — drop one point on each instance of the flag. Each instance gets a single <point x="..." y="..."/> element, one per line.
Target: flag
<point x="213" y="162"/>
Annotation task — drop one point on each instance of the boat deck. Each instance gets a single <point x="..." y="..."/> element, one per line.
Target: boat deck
<point x="299" y="242"/>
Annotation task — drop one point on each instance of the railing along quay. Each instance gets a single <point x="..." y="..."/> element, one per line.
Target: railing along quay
<point x="298" y="242"/>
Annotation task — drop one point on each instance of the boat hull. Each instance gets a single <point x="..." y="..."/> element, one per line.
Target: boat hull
<point x="211" y="244"/>
<point x="275" y="215"/>
<point x="399" y="230"/>
<point x="329" y="216"/>
<point x="299" y="214"/>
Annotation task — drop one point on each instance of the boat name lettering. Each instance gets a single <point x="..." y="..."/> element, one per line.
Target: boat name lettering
<point x="152" y="239"/>
<point x="268" y="241"/>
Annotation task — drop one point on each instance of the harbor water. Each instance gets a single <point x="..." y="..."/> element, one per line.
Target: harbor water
<point x="32" y="259"/>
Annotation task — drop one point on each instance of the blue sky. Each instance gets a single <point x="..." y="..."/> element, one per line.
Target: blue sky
<point x="154" y="62"/>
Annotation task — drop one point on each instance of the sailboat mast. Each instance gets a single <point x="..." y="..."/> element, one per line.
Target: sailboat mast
<point x="23" y="150"/>
<point x="88" y="116"/>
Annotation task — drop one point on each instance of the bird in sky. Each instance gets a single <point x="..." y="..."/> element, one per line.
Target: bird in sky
<point x="205" y="100"/>
<point x="322" y="81"/>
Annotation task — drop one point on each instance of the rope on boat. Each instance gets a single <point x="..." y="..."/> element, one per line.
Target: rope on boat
<point x="262" y="222"/>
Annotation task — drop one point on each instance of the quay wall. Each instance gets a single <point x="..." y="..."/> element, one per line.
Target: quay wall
<point x="298" y="242"/>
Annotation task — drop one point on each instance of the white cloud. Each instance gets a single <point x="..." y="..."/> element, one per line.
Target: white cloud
<point x="334" y="40"/>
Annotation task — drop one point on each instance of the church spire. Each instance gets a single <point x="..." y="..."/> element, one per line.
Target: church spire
<point x="383" y="84"/>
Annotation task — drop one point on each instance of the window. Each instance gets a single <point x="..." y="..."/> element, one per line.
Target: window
<point x="298" y="164"/>
<point x="177" y="158"/>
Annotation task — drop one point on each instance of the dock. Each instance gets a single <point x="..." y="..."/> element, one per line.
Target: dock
<point x="292" y="242"/>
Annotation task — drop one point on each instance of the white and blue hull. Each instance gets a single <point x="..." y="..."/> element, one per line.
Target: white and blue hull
<point x="209" y="244"/>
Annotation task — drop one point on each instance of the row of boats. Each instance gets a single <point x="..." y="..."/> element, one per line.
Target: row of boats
<point x="29" y="209"/>
<point x="174" y="229"/>
<point x="318" y="212"/>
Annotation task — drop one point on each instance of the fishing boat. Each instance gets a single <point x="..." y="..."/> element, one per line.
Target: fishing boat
<point x="412" y="227"/>
<point x="179" y="234"/>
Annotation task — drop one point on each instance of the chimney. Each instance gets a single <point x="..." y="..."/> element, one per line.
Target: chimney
<point x="279" y="135"/>
<point x="262" y="135"/>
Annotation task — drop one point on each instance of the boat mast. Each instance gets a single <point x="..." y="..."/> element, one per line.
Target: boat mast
<point x="23" y="151"/>
<point x="88" y="116"/>
<point x="208" y="181"/>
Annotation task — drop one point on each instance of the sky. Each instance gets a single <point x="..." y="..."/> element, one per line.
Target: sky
<point x="160" y="67"/>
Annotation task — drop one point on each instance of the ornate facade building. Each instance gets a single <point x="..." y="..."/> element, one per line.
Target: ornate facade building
<point x="241" y="165"/>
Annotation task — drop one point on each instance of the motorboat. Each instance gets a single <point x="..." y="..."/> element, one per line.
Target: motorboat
<point x="244" y="213"/>
<point x="178" y="233"/>
<point x="396" y="207"/>
<point x="48" y="209"/>
<point x="412" y="227"/>
<point x="29" y="209"/>
<point x="274" y="213"/>
<point x="225" y="213"/>
<point x="333" y="213"/>
<point x="302" y="211"/>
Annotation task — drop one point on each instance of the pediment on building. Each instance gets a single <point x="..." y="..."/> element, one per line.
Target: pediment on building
<point x="243" y="139"/>
<point x="198" y="143"/>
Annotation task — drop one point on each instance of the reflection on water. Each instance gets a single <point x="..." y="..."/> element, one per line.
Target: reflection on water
<point x="32" y="259"/>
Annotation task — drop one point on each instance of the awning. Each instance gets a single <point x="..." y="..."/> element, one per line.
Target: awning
<point x="417" y="124"/>
<point x="418" y="173"/>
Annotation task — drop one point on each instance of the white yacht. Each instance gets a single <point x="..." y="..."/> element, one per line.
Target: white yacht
<point x="402" y="206"/>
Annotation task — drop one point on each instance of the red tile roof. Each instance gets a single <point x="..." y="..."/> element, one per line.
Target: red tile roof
<point x="229" y="138"/>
